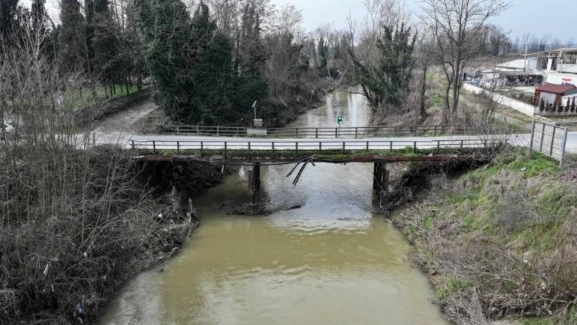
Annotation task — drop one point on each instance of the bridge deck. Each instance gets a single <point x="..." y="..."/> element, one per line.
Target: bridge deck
<point x="345" y="151"/>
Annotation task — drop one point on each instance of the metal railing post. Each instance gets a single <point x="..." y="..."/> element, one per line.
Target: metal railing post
<point x="133" y="146"/>
<point x="391" y="145"/>
<point x="226" y="150"/>
<point x="178" y="147"/>
<point x="317" y="133"/>
<point x="336" y="133"/>
<point x="273" y="149"/>
<point x="154" y="146"/>
<point x="368" y="146"/>
<point x="344" y="146"/>
<point x="320" y="146"/>
<point x="201" y="148"/>
<point x="415" y="147"/>
<point x="297" y="148"/>
<point x="462" y="144"/>
<point x="356" y="133"/>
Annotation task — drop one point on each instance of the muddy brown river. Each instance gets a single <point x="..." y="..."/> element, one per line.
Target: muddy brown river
<point x="330" y="262"/>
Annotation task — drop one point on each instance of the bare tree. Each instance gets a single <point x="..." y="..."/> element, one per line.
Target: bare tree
<point x="457" y="26"/>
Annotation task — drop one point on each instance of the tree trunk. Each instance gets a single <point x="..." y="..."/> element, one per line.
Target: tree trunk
<point x="139" y="82"/>
<point x="423" y="110"/>
<point x="447" y="110"/>
<point x="127" y="86"/>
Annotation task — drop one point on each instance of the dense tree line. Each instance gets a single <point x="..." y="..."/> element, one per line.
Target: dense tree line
<point x="211" y="66"/>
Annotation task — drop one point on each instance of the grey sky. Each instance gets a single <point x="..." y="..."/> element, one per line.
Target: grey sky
<point x="551" y="17"/>
<point x="554" y="18"/>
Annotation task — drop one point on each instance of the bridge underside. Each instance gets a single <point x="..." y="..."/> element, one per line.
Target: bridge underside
<point x="381" y="176"/>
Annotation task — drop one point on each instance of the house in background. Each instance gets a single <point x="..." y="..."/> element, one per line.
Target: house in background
<point x="555" y="95"/>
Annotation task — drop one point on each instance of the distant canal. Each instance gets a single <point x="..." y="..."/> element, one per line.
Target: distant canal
<point x="330" y="262"/>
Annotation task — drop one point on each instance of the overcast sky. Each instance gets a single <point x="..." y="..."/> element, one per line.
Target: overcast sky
<point x="540" y="18"/>
<point x="554" y="18"/>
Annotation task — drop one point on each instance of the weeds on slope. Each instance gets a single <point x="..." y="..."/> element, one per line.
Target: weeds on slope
<point x="500" y="241"/>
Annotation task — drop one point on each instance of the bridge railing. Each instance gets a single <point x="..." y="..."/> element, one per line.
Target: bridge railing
<point x="332" y="132"/>
<point x="229" y="147"/>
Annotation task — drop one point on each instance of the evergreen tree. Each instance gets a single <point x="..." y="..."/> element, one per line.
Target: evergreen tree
<point x="71" y="37"/>
<point x="105" y="43"/>
<point x="323" y="54"/>
<point x="8" y="18"/>
<point x="166" y="28"/>
<point x="386" y="85"/>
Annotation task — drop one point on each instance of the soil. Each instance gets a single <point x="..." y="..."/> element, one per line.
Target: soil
<point x="129" y="121"/>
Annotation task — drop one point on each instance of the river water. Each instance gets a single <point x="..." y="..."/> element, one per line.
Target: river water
<point x="330" y="262"/>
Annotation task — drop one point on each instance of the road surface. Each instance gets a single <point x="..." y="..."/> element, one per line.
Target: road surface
<point x="192" y="142"/>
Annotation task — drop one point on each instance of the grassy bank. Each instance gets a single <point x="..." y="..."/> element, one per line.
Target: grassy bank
<point x="500" y="242"/>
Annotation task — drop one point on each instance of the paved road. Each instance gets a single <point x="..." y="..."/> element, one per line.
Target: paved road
<point x="192" y="142"/>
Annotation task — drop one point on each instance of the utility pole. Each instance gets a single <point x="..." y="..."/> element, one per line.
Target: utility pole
<point x="525" y="64"/>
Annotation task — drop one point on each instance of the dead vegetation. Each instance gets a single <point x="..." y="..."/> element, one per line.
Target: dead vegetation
<point x="75" y="221"/>
<point x="499" y="242"/>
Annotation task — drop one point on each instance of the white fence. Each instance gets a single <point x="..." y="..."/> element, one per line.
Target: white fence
<point x="519" y="106"/>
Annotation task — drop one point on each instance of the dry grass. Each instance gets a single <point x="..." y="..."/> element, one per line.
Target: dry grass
<point x="499" y="241"/>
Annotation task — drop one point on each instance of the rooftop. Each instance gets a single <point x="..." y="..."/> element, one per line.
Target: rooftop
<point x="556" y="89"/>
<point x="567" y="50"/>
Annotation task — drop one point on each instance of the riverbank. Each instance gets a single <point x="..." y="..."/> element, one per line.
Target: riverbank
<point x="498" y="242"/>
<point x="94" y="220"/>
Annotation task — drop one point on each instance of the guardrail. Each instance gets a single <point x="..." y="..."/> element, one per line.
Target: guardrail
<point x="336" y="132"/>
<point x="226" y="147"/>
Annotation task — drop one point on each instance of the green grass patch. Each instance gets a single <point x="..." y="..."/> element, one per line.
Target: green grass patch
<point x="453" y="286"/>
<point x="558" y="201"/>
<point x="540" y="321"/>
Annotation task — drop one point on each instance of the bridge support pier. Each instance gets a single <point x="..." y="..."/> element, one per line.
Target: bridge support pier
<point x="254" y="184"/>
<point x="381" y="178"/>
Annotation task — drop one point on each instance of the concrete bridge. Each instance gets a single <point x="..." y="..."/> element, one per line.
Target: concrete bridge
<point x="262" y="152"/>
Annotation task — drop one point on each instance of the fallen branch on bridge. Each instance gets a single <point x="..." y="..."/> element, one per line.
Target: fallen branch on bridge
<point x="305" y="162"/>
